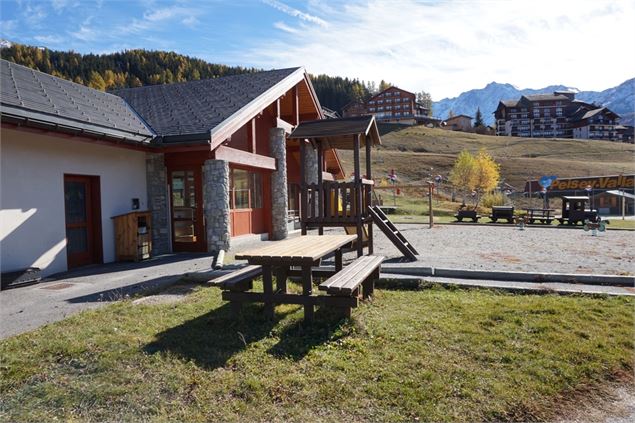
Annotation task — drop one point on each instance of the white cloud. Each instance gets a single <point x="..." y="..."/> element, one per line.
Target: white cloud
<point x="447" y="47"/>
<point x="154" y="17"/>
<point x="85" y="33"/>
<point x="284" y="27"/>
<point x="296" y="13"/>
<point x="48" y="39"/>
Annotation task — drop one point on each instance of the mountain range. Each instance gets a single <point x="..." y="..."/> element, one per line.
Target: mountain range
<point x="620" y="99"/>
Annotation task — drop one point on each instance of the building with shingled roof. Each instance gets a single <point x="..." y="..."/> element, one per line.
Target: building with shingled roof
<point x="209" y="160"/>
<point x="557" y="115"/>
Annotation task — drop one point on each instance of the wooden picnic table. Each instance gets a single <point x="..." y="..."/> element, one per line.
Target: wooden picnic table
<point x="305" y="252"/>
<point x="545" y="216"/>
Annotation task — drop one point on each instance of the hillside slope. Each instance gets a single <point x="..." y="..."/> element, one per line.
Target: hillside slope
<point x="413" y="151"/>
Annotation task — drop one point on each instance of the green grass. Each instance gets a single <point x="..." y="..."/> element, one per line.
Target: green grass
<point x="432" y="354"/>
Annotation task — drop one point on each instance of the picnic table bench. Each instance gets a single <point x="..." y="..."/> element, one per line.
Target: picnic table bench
<point x="282" y="258"/>
<point x="545" y="216"/>
<point x="502" y="212"/>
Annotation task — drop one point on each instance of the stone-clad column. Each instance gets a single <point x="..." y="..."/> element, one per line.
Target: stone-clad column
<point x="157" y="189"/>
<point x="310" y="165"/>
<point x="279" y="196"/>
<point x="311" y="171"/>
<point x="216" y="204"/>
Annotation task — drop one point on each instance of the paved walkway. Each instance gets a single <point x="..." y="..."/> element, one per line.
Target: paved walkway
<point x="554" y="287"/>
<point x="27" y="308"/>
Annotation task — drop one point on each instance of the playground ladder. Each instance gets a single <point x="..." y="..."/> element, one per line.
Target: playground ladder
<point x="393" y="234"/>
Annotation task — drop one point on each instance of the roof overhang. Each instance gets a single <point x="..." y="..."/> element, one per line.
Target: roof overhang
<point x="225" y="129"/>
<point x="20" y="116"/>
<point x="339" y="133"/>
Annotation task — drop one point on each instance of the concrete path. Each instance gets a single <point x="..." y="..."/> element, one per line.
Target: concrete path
<point x="555" y="287"/>
<point x="27" y="308"/>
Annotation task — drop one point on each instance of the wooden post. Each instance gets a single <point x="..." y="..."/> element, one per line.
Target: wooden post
<point x="303" y="188"/>
<point x="320" y="199"/>
<point x="430" y="185"/>
<point x="623" y="205"/>
<point x="296" y="106"/>
<point x="267" y="283"/>
<point x="307" y="290"/>
<point x="369" y="175"/>
<point x="358" y="197"/>
<point x="281" y="279"/>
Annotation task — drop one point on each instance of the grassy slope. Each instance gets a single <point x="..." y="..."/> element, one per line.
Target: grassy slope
<point x="433" y="354"/>
<point x="412" y="151"/>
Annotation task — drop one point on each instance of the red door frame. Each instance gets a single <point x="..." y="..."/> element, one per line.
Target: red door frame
<point x="200" y="245"/>
<point x="94" y="252"/>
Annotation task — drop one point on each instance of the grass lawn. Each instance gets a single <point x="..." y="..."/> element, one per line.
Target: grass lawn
<point x="432" y="354"/>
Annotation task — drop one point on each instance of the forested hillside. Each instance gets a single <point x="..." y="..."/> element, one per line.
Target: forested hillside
<point x="134" y="68"/>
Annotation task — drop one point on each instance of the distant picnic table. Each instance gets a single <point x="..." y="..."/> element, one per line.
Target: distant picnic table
<point x="545" y="216"/>
<point x="302" y="255"/>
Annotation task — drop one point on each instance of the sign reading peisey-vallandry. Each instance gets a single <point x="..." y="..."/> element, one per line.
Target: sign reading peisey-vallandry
<point x="595" y="182"/>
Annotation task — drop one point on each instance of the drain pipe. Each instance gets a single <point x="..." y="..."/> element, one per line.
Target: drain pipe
<point x="218" y="260"/>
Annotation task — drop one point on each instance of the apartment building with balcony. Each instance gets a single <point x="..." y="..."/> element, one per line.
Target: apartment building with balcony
<point x="393" y="105"/>
<point x="557" y="115"/>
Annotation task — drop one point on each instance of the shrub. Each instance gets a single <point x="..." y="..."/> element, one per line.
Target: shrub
<point x="493" y="199"/>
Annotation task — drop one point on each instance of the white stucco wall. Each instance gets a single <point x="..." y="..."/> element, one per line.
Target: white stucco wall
<point x="32" y="168"/>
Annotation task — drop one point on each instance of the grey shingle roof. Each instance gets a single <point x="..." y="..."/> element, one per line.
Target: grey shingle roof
<point x="27" y="94"/>
<point x="338" y="131"/>
<point x="546" y="97"/>
<point x="192" y="109"/>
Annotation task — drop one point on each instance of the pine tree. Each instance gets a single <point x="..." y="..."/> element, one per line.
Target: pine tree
<point x="478" y="120"/>
<point x="96" y="81"/>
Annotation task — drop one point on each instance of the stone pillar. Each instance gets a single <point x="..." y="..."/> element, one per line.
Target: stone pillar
<point x="310" y="165"/>
<point x="279" y="196"/>
<point x="311" y="171"/>
<point x="216" y="204"/>
<point x="157" y="187"/>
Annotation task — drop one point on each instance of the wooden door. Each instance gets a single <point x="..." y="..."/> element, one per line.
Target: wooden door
<point x="82" y="215"/>
<point x="186" y="191"/>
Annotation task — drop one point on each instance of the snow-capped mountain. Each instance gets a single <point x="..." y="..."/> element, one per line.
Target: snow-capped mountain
<point x="620" y="99"/>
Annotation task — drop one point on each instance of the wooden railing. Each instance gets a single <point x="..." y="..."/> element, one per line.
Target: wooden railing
<point x="336" y="202"/>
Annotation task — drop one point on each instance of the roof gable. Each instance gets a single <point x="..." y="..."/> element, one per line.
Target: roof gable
<point x="197" y="109"/>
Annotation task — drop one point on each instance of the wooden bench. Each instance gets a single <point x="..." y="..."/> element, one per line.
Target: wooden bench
<point x="346" y="283"/>
<point x="240" y="280"/>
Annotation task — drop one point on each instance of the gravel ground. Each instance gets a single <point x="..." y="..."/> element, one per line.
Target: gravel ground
<point x="556" y="250"/>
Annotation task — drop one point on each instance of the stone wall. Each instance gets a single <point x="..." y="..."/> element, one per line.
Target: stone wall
<point x="216" y="204"/>
<point x="157" y="186"/>
<point x="279" y="196"/>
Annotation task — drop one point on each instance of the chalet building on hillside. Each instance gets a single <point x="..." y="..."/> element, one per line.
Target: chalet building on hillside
<point x="458" y="123"/>
<point x="557" y="115"/>
<point x="209" y="160"/>
<point x="393" y="105"/>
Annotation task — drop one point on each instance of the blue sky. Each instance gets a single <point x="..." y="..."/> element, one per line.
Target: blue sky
<point x="443" y="46"/>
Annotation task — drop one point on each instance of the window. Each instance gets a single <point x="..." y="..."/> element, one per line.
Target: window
<point x="388" y="94"/>
<point x="246" y="189"/>
<point x="380" y="101"/>
<point x="372" y="109"/>
<point x="388" y="107"/>
<point x="380" y="108"/>
<point x="371" y="102"/>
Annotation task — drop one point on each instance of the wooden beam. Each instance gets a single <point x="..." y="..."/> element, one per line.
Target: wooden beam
<point x="252" y="135"/>
<point x="327" y="176"/>
<point x="288" y="128"/>
<point x="245" y="158"/>
<point x="320" y="183"/>
<point x="296" y="106"/>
